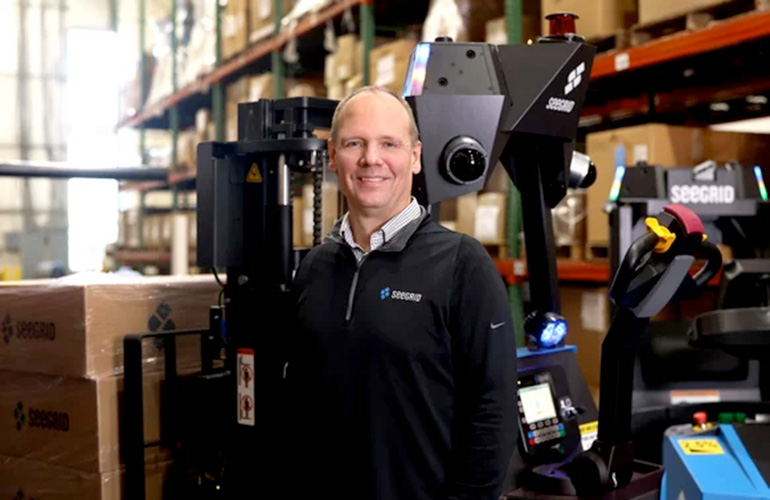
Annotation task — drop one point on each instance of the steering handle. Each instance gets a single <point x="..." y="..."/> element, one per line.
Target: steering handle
<point x="713" y="257"/>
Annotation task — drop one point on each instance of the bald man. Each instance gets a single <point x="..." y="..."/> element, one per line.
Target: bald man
<point x="403" y="374"/>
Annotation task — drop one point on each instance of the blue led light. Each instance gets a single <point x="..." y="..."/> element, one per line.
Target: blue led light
<point x="553" y="333"/>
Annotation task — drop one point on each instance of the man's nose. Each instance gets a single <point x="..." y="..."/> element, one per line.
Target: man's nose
<point x="372" y="155"/>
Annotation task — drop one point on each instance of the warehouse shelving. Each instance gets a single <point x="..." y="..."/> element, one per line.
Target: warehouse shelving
<point x="677" y="77"/>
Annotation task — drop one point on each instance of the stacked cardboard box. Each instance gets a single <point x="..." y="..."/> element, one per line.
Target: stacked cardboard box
<point x="389" y="63"/>
<point x="61" y="366"/>
<point x="343" y="66"/>
<point x="479" y="215"/>
<point x="651" y="11"/>
<point x="597" y="19"/>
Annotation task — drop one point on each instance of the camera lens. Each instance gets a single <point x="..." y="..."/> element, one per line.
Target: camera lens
<point x="467" y="165"/>
<point x="464" y="161"/>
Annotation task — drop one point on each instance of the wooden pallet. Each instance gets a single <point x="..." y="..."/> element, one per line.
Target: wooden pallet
<point x="496" y="251"/>
<point x="620" y="40"/>
<point x="696" y="19"/>
<point x="597" y="252"/>
<point x="572" y="252"/>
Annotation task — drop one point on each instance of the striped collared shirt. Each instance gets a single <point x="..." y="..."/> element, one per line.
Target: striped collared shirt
<point x="385" y="233"/>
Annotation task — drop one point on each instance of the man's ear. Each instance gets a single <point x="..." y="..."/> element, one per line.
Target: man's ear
<point x="417" y="158"/>
<point x="332" y="155"/>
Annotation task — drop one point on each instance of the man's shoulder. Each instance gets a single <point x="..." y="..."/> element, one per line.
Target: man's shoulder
<point x="467" y="246"/>
<point x="326" y="252"/>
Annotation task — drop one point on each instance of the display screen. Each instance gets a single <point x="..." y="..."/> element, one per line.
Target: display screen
<point x="537" y="402"/>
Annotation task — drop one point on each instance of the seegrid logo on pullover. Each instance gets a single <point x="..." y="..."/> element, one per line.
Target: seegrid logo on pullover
<point x="387" y="293"/>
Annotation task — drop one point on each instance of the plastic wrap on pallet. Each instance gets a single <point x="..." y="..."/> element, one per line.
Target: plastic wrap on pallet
<point x="201" y="50"/>
<point x="462" y="20"/>
<point x="74" y="326"/>
<point x="30" y="479"/>
<point x="300" y="9"/>
<point x="72" y="422"/>
<point x="569" y="219"/>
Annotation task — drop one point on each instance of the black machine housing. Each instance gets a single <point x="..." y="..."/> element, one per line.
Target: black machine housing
<point x="729" y="201"/>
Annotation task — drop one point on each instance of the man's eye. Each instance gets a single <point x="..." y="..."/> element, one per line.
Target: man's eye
<point x="352" y="144"/>
<point x="389" y="144"/>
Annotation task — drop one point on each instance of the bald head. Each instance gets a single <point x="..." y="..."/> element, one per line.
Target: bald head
<point x="374" y="89"/>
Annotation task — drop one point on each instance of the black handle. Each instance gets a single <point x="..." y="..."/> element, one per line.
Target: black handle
<point x="713" y="257"/>
<point x="634" y="259"/>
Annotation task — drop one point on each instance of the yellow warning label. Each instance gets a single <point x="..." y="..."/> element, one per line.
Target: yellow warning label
<point x="589" y="427"/>
<point x="701" y="447"/>
<point x="254" y="175"/>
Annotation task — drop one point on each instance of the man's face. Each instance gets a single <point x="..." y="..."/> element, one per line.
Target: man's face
<point x="373" y="155"/>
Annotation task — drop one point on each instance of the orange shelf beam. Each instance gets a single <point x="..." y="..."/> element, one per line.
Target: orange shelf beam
<point x="514" y="271"/>
<point x="726" y="33"/>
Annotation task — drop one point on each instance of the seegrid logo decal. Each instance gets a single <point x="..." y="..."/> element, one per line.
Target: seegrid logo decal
<point x="574" y="78"/>
<point x="19" y="415"/>
<point x="7" y="328"/>
<point x="160" y="321"/>
<point x="386" y="293"/>
<point x="27" y="330"/>
<point x="20" y="496"/>
<point x="41" y="419"/>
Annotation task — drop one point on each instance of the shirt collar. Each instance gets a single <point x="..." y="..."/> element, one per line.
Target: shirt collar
<point x="387" y="231"/>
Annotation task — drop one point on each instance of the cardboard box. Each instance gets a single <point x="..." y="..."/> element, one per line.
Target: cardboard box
<point x="73" y="328"/>
<point x="29" y="480"/>
<point x="390" y="62"/>
<point x="586" y="309"/>
<point x="235" y="27"/>
<point x="329" y="211"/>
<point x="345" y="60"/>
<point x="598" y="18"/>
<point x="354" y="83"/>
<point x="666" y="145"/>
<point x="330" y="70"/>
<point x="651" y="11"/>
<point x="466" y="214"/>
<point x="71" y="422"/>
<point x="305" y="87"/>
<point x="336" y="91"/>
<point x="489" y="227"/>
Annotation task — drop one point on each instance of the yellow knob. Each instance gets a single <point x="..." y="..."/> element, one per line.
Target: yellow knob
<point x="665" y="237"/>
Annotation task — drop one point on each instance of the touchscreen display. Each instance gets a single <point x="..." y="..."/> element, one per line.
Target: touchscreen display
<point x="537" y="402"/>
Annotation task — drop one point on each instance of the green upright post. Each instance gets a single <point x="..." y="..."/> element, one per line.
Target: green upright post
<point x="367" y="39"/>
<point x="513" y="16"/>
<point x="277" y="62"/>
<point x="218" y="90"/>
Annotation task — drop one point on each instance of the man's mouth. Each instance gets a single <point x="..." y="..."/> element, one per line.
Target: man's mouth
<point x="371" y="180"/>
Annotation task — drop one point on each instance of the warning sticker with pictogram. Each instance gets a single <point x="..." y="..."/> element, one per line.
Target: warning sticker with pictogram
<point x="254" y="175"/>
<point x="246" y="386"/>
<point x="701" y="446"/>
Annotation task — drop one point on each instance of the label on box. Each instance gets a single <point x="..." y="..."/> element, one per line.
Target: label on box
<point x="694" y="397"/>
<point x="593" y="307"/>
<point x="622" y="62"/>
<point x="246" y="386"/>
<point x="386" y="70"/>
<point x="486" y="228"/>
<point x="264" y="8"/>
<point x="641" y="153"/>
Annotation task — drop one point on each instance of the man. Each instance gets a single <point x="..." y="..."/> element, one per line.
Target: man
<point x="403" y="371"/>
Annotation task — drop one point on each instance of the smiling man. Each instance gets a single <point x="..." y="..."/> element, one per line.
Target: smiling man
<point x="403" y="373"/>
